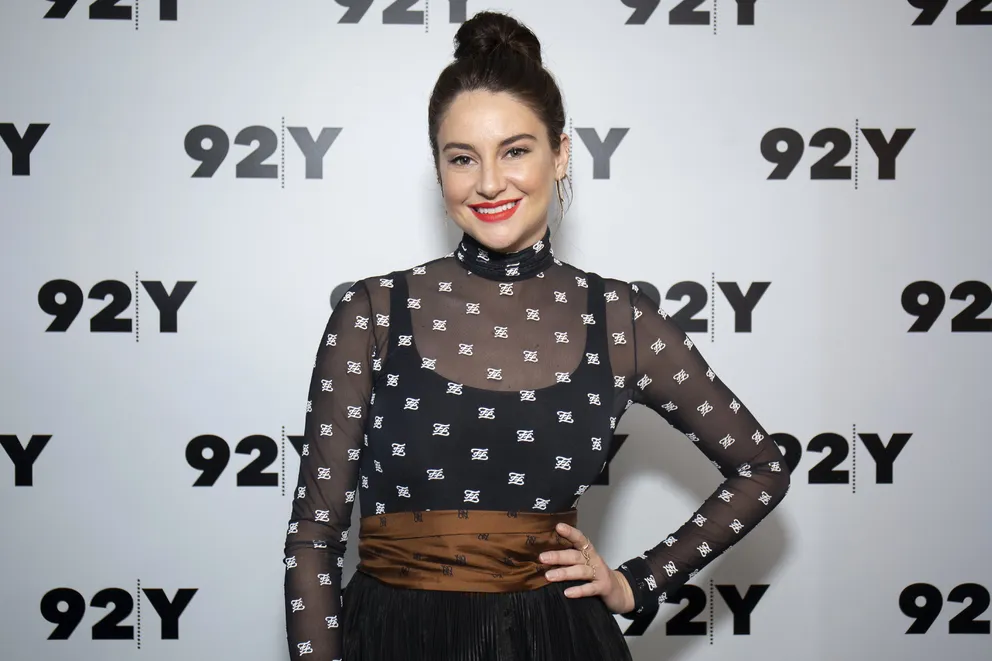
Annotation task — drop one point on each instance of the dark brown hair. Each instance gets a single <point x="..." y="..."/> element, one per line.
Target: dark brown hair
<point x="497" y="53"/>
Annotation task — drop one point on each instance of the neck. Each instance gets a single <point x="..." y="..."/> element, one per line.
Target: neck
<point x="505" y="266"/>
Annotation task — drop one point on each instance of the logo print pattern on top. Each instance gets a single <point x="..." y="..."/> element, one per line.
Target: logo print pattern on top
<point x="483" y="381"/>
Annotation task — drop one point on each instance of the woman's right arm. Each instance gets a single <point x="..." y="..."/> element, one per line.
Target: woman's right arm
<point x="339" y="397"/>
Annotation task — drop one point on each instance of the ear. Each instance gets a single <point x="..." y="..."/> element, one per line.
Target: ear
<point x="561" y="158"/>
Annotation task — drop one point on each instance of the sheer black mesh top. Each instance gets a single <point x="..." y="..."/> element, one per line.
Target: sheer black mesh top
<point x="485" y="380"/>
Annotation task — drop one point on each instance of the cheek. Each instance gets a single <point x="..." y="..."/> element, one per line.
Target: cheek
<point x="456" y="187"/>
<point x="532" y="181"/>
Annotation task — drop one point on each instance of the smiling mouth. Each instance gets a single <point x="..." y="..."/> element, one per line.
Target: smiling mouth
<point x="494" y="213"/>
<point x="492" y="209"/>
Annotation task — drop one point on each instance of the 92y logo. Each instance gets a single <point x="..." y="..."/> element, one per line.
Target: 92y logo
<point x="400" y="12"/>
<point x="924" y="615"/>
<point x="601" y="149"/>
<point x="21" y="146"/>
<point x="828" y="166"/>
<point x="827" y="470"/>
<point x="684" y="623"/>
<point x="121" y="601"/>
<point x="686" y="12"/>
<point x="24" y="456"/>
<point x="251" y="474"/>
<point x="743" y="303"/>
<point x="63" y="299"/>
<point x="928" y="311"/>
<point x="253" y="165"/>
<point x="112" y="10"/>
<point x="975" y="12"/>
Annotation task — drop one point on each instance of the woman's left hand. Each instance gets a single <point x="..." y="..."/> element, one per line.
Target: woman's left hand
<point x="610" y="585"/>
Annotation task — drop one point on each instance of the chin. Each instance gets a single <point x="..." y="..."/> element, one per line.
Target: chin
<point x="503" y="235"/>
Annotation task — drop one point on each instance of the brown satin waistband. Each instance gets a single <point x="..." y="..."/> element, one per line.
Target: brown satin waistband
<point x="464" y="550"/>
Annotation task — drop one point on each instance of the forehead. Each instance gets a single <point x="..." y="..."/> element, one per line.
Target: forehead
<point x="481" y="116"/>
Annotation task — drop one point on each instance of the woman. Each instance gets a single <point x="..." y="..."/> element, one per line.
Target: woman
<point x="472" y="400"/>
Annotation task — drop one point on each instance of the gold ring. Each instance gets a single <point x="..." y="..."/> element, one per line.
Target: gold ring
<point x="586" y="546"/>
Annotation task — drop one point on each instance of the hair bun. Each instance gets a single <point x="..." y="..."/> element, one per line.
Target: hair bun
<point x="487" y="32"/>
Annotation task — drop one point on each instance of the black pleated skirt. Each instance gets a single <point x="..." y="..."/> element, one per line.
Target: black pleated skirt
<point x="386" y="623"/>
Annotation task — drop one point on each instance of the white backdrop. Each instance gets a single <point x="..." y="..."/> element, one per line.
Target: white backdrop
<point x="159" y="288"/>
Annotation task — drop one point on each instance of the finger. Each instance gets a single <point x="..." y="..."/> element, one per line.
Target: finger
<point x="573" y="535"/>
<point x="583" y="590"/>
<point x="581" y="572"/>
<point x="565" y="557"/>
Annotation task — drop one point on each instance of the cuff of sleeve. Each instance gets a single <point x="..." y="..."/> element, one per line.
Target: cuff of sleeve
<point x="637" y="571"/>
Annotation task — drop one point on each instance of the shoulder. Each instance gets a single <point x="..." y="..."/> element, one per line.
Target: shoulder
<point x="387" y="280"/>
<point x="374" y="289"/>
<point x="614" y="289"/>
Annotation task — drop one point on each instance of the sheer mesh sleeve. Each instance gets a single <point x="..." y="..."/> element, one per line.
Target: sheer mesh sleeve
<point x="340" y="390"/>
<point x="671" y="377"/>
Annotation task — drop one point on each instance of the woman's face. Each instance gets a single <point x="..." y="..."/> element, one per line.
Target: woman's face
<point x="494" y="149"/>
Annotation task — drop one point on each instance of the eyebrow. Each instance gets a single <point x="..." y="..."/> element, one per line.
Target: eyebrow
<point x="503" y="143"/>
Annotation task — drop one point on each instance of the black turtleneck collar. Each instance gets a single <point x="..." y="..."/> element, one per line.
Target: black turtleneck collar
<point x="505" y="266"/>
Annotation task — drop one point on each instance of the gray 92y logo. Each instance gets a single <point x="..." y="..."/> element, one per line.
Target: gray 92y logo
<point x="210" y="145"/>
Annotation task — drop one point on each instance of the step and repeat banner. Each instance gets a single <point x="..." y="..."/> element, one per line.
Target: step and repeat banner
<point x="187" y="186"/>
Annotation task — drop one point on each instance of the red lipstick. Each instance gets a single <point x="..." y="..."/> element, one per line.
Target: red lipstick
<point x="492" y="217"/>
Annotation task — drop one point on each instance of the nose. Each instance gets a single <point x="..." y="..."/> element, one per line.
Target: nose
<point x="491" y="181"/>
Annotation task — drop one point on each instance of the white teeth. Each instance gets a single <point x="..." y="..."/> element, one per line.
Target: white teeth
<point x="508" y="205"/>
